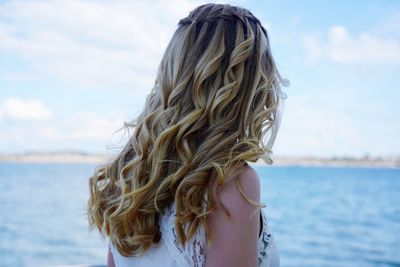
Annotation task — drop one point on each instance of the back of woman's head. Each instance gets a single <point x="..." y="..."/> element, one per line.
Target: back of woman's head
<point x="215" y="101"/>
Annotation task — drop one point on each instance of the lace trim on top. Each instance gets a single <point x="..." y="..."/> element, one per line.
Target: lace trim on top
<point x="194" y="251"/>
<point x="264" y="240"/>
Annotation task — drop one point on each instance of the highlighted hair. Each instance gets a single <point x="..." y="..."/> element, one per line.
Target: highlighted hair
<point x="214" y="105"/>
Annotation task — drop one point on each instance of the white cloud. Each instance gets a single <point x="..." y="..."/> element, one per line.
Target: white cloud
<point x="317" y="130"/>
<point x="337" y="45"/>
<point x="80" y="130"/>
<point x="32" y="125"/>
<point x="19" y="109"/>
<point x="88" y="125"/>
<point x="91" y="43"/>
<point x="81" y="126"/>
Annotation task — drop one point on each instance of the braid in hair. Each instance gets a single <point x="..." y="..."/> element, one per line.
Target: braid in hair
<point x="220" y="11"/>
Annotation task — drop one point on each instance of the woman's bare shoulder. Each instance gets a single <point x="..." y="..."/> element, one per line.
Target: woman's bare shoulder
<point x="234" y="238"/>
<point x="246" y="177"/>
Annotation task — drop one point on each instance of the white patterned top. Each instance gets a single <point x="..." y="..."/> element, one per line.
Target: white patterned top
<point x="169" y="252"/>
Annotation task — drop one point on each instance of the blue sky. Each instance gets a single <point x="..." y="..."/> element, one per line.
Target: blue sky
<point x="72" y="71"/>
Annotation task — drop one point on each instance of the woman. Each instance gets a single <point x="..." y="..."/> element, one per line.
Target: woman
<point x="180" y="193"/>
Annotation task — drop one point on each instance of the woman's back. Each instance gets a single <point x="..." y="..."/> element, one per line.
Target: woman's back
<point x="169" y="252"/>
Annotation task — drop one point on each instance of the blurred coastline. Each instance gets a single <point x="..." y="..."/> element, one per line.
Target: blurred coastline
<point x="97" y="158"/>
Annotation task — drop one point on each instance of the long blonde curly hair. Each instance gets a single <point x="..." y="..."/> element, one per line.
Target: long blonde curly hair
<point x="214" y="105"/>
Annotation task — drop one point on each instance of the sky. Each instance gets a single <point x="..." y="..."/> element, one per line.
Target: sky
<point x="71" y="72"/>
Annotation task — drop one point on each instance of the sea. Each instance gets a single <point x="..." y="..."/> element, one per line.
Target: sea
<point x="320" y="216"/>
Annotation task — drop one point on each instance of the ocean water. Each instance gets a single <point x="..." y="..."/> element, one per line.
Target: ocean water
<point x="319" y="216"/>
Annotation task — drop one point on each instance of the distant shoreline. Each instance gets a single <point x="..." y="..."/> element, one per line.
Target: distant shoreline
<point x="81" y="157"/>
<point x="318" y="162"/>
